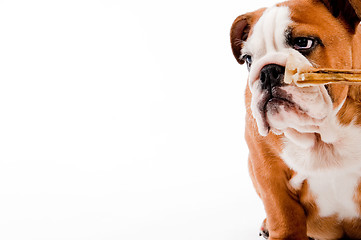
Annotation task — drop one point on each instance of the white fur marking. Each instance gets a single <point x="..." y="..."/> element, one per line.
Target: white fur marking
<point x="269" y="32"/>
<point x="332" y="170"/>
<point x="334" y="193"/>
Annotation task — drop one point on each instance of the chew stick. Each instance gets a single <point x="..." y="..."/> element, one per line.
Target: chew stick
<point x="327" y="76"/>
<point x="301" y="72"/>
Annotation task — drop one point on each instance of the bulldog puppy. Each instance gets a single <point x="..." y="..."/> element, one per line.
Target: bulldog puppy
<point x="304" y="143"/>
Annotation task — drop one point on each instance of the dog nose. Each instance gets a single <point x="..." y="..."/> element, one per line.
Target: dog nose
<point x="272" y="75"/>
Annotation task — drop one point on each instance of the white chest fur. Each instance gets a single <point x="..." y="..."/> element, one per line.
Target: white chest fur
<point x="333" y="171"/>
<point x="335" y="194"/>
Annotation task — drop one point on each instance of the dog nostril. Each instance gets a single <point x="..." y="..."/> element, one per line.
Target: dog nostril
<point x="275" y="73"/>
<point x="263" y="77"/>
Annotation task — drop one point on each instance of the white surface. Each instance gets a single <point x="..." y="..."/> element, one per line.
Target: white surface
<point x="123" y="120"/>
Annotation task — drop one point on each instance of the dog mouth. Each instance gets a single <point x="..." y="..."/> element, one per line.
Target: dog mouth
<point x="278" y="106"/>
<point x="272" y="101"/>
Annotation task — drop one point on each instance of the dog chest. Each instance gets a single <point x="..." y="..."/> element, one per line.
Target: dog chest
<point x="332" y="172"/>
<point x="335" y="194"/>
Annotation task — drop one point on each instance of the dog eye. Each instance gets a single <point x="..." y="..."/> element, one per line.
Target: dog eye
<point x="248" y="60"/>
<point x="303" y="43"/>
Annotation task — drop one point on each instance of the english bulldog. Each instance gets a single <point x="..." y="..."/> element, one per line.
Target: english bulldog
<point x="304" y="142"/>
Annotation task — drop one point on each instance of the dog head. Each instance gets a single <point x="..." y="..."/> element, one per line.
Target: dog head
<point x="319" y="33"/>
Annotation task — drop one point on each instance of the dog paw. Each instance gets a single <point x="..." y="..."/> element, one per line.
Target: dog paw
<point x="264" y="234"/>
<point x="264" y="231"/>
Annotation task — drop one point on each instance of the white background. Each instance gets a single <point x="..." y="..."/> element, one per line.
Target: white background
<point x="123" y="120"/>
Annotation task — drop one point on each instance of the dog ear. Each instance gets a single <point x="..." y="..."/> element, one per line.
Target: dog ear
<point x="349" y="11"/>
<point x="239" y="33"/>
<point x="241" y="29"/>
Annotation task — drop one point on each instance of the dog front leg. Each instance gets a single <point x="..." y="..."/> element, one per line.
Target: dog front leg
<point x="286" y="218"/>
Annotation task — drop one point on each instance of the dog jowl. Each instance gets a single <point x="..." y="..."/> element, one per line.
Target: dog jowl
<point x="304" y="143"/>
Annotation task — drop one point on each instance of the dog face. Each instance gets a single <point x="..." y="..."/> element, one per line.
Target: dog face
<point x="318" y="37"/>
